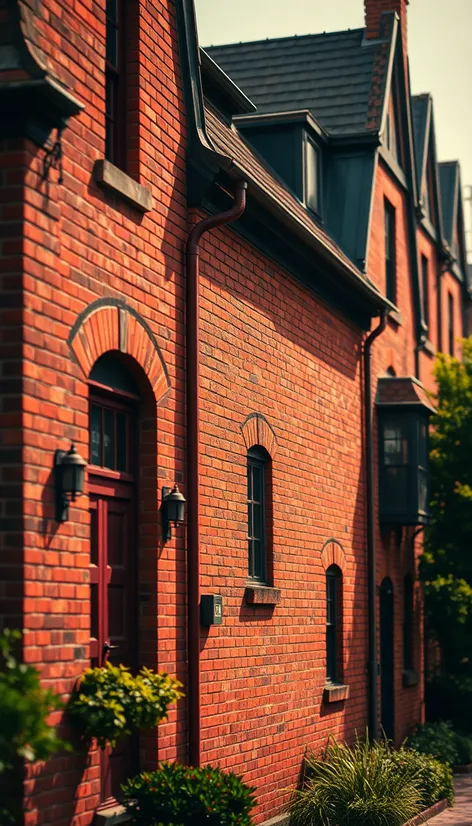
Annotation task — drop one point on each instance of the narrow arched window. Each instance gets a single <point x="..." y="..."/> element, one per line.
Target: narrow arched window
<point x="408" y="623"/>
<point x="334" y="624"/>
<point x="258" y="493"/>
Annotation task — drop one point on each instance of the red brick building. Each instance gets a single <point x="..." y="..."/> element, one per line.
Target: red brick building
<point x="262" y="401"/>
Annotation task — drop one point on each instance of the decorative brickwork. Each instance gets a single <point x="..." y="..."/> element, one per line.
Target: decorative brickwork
<point x="111" y="325"/>
<point x="256" y="430"/>
<point x="332" y="553"/>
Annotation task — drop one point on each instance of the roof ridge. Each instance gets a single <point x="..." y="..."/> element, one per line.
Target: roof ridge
<point x="278" y="39"/>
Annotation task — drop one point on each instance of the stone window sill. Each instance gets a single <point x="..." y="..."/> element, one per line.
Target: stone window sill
<point x="428" y="347"/>
<point x="410" y="678"/>
<point x="112" y="816"/>
<point x="109" y="177"/>
<point x="335" y="693"/>
<point x="256" y="594"/>
<point x="396" y="318"/>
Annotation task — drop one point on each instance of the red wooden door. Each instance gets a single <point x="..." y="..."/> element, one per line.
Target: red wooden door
<point x="113" y="603"/>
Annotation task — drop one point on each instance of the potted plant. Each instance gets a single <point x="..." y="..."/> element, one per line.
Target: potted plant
<point x="110" y="702"/>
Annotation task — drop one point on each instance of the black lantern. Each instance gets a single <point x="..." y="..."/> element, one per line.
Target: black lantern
<point x="403" y="412"/>
<point x="173" y="510"/>
<point x="69" y="472"/>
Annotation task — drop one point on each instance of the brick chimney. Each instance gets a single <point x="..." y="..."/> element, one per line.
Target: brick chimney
<point x="373" y="10"/>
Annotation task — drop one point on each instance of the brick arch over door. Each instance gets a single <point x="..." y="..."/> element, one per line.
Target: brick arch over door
<point x="110" y="324"/>
<point x="256" y="430"/>
<point x="332" y="553"/>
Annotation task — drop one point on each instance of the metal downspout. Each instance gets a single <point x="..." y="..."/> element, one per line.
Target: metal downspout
<point x="193" y="432"/>
<point x="370" y="511"/>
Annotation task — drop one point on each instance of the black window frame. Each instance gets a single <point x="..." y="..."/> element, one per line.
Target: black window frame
<point x="408" y="612"/>
<point x="390" y="251"/>
<point x="115" y="85"/>
<point x="333" y="625"/>
<point x="450" y="323"/>
<point x="425" y="288"/>
<point x="257" y="460"/>
<point x="316" y="208"/>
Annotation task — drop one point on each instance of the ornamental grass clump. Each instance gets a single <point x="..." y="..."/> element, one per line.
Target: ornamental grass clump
<point x="109" y="702"/>
<point x="356" y="785"/>
<point x="177" y="795"/>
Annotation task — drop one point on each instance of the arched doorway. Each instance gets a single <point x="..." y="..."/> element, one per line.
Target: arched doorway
<point x="113" y="420"/>
<point x="387" y="649"/>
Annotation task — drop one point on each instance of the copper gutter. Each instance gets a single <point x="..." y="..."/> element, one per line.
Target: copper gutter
<point x="370" y="513"/>
<point x="193" y="480"/>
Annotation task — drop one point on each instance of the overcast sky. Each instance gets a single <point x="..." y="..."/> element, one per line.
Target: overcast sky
<point x="439" y="44"/>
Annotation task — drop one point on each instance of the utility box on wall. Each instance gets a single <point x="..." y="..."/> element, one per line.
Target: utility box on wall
<point x="211" y="609"/>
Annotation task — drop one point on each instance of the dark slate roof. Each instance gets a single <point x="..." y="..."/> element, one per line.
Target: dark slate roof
<point x="329" y="74"/>
<point x="448" y="183"/>
<point x="420" y="106"/>
<point x="228" y="140"/>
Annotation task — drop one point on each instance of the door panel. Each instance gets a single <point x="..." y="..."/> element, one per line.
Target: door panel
<point x="113" y="605"/>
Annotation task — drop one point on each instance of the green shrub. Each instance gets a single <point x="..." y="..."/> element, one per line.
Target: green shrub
<point x="437" y="739"/>
<point x="177" y="795"/>
<point x="110" y="702"/>
<point x="357" y="785"/>
<point x="433" y="778"/>
<point x="24" y="710"/>
<point x="464" y="750"/>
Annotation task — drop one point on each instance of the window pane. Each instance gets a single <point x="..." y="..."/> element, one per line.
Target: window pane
<point x="258" y="566"/>
<point x="256" y="518"/>
<point x="256" y="483"/>
<point x="425" y="288"/>
<point x="423" y="491"/>
<point x="112" y="10"/>
<point x="396" y="488"/>
<point x="250" y="555"/>
<point x="395" y="446"/>
<point x="257" y="521"/>
<point x="121" y="442"/>
<point x="112" y="46"/>
<point x="109" y="439"/>
<point x="311" y="176"/>
<point x="95" y="435"/>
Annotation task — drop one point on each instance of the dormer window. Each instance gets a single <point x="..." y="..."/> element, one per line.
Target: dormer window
<point x="312" y="196"/>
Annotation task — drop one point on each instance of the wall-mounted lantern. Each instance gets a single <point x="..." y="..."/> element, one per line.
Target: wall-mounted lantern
<point x="403" y="413"/>
<point x="172" y="509"/>
<point x="69" y="477"/>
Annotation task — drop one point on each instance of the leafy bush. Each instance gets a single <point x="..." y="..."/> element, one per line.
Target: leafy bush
<point x="357" y="786"/>
<point x="177" y="795"/>
<point x="437" y="739"/>
<point x="464" y="750"/>
<point x="109" y="702"/>
<point x="432" y="778"/>
<point x="24" y="709"/>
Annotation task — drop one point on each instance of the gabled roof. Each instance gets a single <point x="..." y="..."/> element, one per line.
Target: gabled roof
<point x="330" y="74"/>
<point x="421" y="106"/>
<point x="449" y="182"/>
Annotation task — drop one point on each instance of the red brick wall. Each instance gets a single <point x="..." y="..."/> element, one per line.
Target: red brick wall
<point x="270" y="347"/>
<point x="80" y="245"/>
